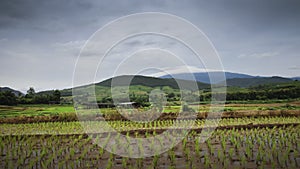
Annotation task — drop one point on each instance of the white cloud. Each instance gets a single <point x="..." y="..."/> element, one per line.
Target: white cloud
<point x="182" y="69"/>
<point x="259" y="55"/>
<point x="69" y="48"/>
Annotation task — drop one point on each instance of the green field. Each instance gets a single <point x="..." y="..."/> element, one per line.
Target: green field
<point x="48" y="110"/>
<point x="255" y="135"/>
<point x="271" y="147"/>
<point x="34" y="110"/>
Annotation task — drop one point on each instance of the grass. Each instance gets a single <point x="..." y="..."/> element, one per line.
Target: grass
<point x="42" y="109"/>
<point x="34" y="110"/>
<point x="66" y="113"/>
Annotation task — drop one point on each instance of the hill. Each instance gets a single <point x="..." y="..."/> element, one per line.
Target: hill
<point x="278" y="86"/>
<point x="137" y="82"/>
<point x="15" y="92"/>
<point x="248" y="82"/>
<point x="150" y="82"/>
<point x="296" y="78"/>
<point x="146" y="83"/>
<point x="204" y="76"/>
<point x="232" y="79"/>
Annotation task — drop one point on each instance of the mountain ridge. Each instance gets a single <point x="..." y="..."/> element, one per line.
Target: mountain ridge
<point x="232" y="80"/>
<point x="204" y="76"/>
<point x="246" y="78"/>
<point x="149" y="81"/>
<point x="15" y="92"/>
<point x="256" y="81"/>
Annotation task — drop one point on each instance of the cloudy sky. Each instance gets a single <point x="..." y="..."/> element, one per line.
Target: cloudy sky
<point x="41" y="40"/>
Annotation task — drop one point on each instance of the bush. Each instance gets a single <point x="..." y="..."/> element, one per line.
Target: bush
<point x="8" y="98"/>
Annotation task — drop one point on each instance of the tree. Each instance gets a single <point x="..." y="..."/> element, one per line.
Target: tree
<point x="171" y="95"/>
<point x="8" y="98"/>
<point x="30" y="93"/>
<point x="56" y="96"/>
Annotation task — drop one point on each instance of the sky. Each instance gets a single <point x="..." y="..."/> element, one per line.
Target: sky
<point x="40" y="41"/>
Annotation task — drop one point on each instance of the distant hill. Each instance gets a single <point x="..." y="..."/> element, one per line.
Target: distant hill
<point x="278" y="86"/>
<point x="204" y="76"/>
<point x="16" y="92"/>
<point x="248" y="82"/>
<point x="138" y="80"/>
<point x="232" y="79"/>
<point x="296" y="78"/>
<point x="150" y="82"/>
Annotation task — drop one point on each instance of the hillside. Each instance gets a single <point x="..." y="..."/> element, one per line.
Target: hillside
<point x="248" y="82"/>
<point x="138" y="83"/>
<point x="150" y="82"/>
<point x="146" y="83"/>
<point x="204" y="76"/>
<point x="16" y="92"/>
<point x="296" y="78"/>
<point x="278" y="86"/>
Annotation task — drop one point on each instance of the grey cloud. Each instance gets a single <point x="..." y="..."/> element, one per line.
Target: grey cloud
<point x="294" y="68"/>
<point x="39" y="34"/>
<point x="15" y="12"/>
<point x="135" y="42"/>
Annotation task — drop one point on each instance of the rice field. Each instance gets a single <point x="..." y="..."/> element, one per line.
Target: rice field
<point x="276" y="147"/>
<point x="248" y="141"/>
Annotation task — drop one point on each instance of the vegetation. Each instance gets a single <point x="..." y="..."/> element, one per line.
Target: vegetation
<point x="48" y="113"/>
<point x="139" y="91"/>
<point x="256" y="81"/>
<point x="75" y="127"/>
<point x="141" y="87"/>
<point x="10" y="98"/>
<point x="276" y="147"/>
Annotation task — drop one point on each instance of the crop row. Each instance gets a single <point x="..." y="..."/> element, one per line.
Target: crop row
<point x="61" y="128"/>
<point x="245" y="148"/>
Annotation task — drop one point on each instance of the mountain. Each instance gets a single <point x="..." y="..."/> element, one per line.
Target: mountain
<point x="255" y="81"/>
<point x="150" y="82"/>
<point x="232" y="79"/>
<point x="296" y="78"/>
<point x="204" y="76"/>
<point x="16" y="92"/>
<point x="138" y="81"/>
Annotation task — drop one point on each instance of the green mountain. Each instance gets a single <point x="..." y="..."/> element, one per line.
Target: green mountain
<point x="150" y="82"/>
<point x="138" y="84"/>
<point x="256" y="81"/>
<point x="15" y="92"/>
<point x="204" y="76"/>
<point x="278" y="86"/>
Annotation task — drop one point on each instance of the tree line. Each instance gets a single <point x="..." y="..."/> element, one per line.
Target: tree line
<point x="282" y="94"/>
<point x="31" y="97"/>
<point x="260" y="93"/>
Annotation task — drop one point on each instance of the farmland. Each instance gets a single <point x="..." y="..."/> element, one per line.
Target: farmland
<point x="275" y="147"/>
<point x="267" y="137"/>
<point x="46" y="112"/>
